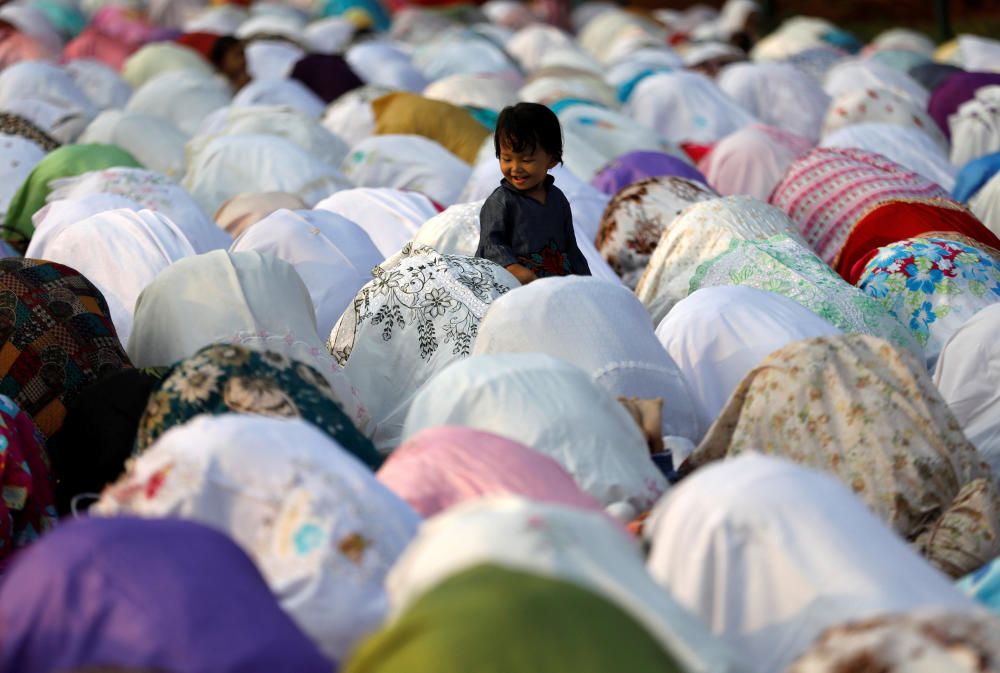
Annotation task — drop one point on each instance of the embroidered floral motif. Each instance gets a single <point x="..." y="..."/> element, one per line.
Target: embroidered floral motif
<point x="443" y="296"/>
<point x="549" y="261"/>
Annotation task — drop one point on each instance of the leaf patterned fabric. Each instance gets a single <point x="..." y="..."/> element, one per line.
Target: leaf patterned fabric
<point x="858" y="408"/>
<point x="419" y="313"/>
<point x="783" y="266"/>
<point x="933" y="286"/>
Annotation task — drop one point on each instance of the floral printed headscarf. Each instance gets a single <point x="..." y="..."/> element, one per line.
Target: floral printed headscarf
<point x="323" y="531"/>
<point x="784" y="266"/>
<point x="57" y="337"/>
<point x="936" y="640"/>
<point x="225" y="378"/>
<point x="636" y="218"/>
<point x="933" y="286"/>
<point x="855" y="406"/>
<point x="27" y="508"/>
<point x="420" y="313"/>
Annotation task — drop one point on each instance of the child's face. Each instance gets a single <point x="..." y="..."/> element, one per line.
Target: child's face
<point x="526" y="171"/>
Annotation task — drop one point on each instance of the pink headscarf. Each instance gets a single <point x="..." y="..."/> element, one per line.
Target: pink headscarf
<point x="752" y="160"/>
<point x="442" y="467"/>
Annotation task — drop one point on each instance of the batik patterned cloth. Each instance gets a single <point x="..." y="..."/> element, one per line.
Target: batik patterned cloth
<point x="57" y="338"/>
<point x="226" y="378"/>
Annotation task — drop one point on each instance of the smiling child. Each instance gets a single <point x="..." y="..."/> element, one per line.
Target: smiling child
<point x="526" y="225"/>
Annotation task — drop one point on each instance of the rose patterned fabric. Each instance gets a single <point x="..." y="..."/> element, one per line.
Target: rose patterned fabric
<point x="231" y="379"/>
<point x="929" y="641"/>
<point x="57" y="338"/>
<point x="856" y="407"/>
<point x="322" y="530"/>
<point x="27" y="505"/>
<point x="420" y="313"/>
<point x="932" y="285"/>
<point x="829" y="190"/>
<point x="701" y="232"/>
<point x="636" y="218"/>
<point x="783" y="266"/>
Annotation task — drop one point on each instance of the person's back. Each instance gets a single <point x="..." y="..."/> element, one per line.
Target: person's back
<point x="526" y="224"/>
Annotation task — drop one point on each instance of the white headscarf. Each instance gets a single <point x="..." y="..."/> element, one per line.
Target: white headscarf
<point x="351" y="116"/>
<point x="558" y="542"/>
<point x="880" y="105"/>
<point x="120" y="251"/>
<point x="18" y="157"/>
<point x="718" y="334"/>
<point x="273" y="120"/>
<point x="601" y="328"/>
<point x="384" y="64"/>
<point x="611" y="134"/>
<point x="333" y="255"/>
<point x="701" y="232"/>
<point x="555" y="408"/>
<point x="322" y="530"/>
<point x="859" y="73"/>
<point x="329" y="35"/>
<point x="530" y="44"/>
<point x="237" y="164"/>
<point x="103" y="86"/>
<point x="160" y="57"/>
<point x="46" y="95"/>
<point x="155" y="142"/>
<point x="686" y="107"/>
<point x="278" y="91"/>
<point x="975" y="128"/>
<point x="152" y="191"/>
<point x="419" y="313"/>
<point x="478" y="90"/>
<point x="390" y="217"/>
<point x="246" y="298"/>
<point x="778" y="94"/>
<point x="408" y="162"/>
<point x="986" y="204"/>
<point x="182" y="97"/>
<point x="979" y="53"/>
<point x="967" y="375"/>
<point x="791" y="552"/>
<point x="906" y="39"/>
<point x="272" y="59"/>
<point x="458" y="51"/>
<point x="906" y="146"/>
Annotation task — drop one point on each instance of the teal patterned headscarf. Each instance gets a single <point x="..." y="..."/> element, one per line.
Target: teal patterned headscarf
<point x="224" y="378"/>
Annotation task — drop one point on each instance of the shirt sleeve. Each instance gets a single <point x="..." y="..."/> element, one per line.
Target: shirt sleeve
<point x="577" y="262"/>
<point x="495" y="232"/>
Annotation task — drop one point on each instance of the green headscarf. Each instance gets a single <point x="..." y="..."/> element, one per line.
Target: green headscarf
<point x="493" y="620"/>
<point x="67" y="161"/>
<point x="224" y="378"/>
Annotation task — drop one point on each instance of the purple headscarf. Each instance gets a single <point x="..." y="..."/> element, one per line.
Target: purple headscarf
<point x="328" y="75"/>
<point x="162" y="594"/>
<point x="957" y="89"/>
<point x="635" y="166"/>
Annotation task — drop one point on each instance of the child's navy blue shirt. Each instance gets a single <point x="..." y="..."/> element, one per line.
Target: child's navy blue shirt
<point x="517" y="229"/>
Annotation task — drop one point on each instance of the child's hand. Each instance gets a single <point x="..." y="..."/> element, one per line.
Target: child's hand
<point x="523" y="274"/>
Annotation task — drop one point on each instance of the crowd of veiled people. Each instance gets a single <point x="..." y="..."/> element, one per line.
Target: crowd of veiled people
<point x="267" y="407"/>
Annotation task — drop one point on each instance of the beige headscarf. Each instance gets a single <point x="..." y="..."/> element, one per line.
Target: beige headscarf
<point x="854" y="406"/>
<point x="244" y="210"/>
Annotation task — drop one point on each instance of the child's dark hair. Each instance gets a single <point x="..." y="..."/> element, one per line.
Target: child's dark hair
<point x="221" y="47"/>
<point x="526" y="126"/>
